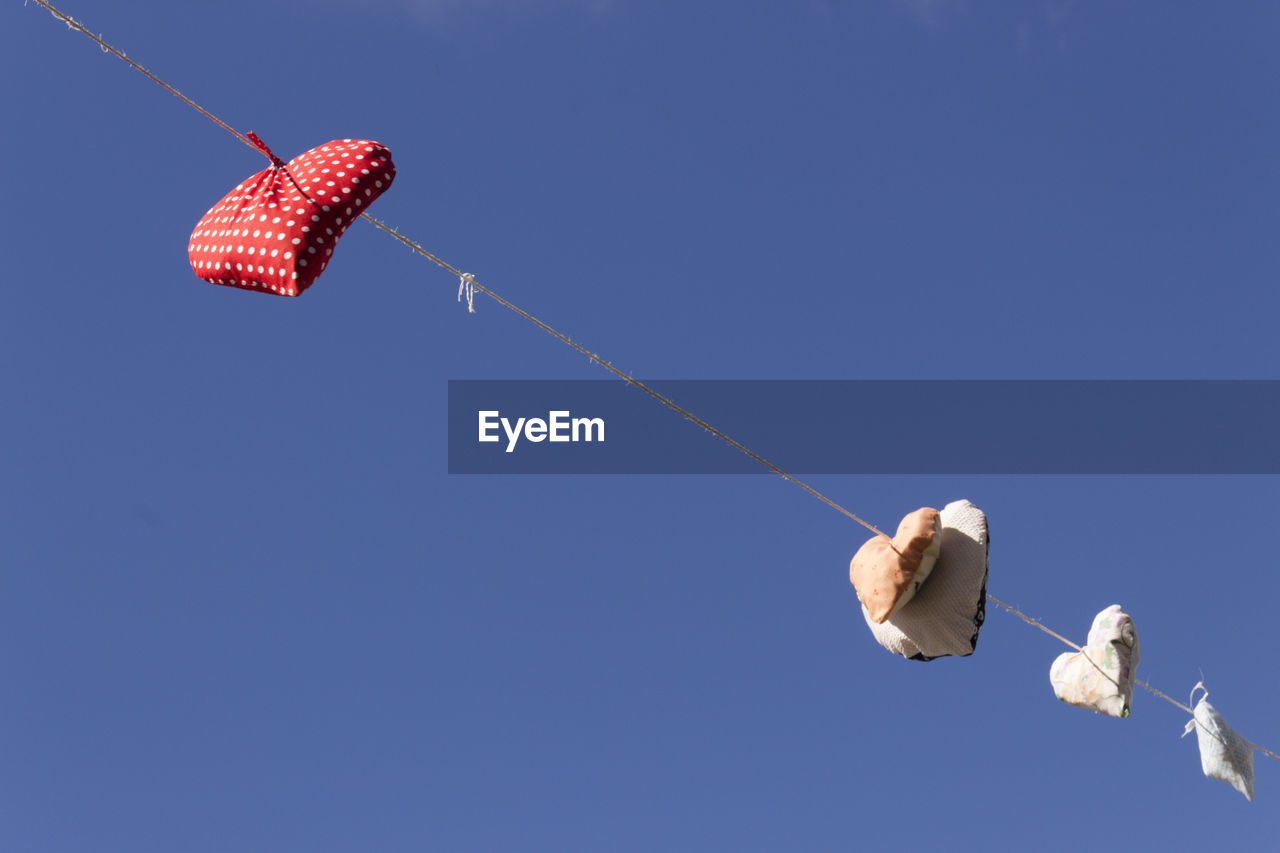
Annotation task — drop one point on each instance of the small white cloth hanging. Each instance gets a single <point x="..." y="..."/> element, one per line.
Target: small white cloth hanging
<point x="1224" y="754"/>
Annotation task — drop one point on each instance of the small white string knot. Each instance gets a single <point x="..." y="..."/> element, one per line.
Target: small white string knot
<point x="467" y="287"/>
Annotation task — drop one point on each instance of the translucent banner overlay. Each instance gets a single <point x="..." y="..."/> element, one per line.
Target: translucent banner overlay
<point x="867" y="427"/>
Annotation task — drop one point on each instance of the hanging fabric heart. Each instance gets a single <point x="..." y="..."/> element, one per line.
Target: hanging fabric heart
<point x="276" y="231"/>
<point x="945" y="615"/>
<point x="1100" y="676"/>
<point x="888" y="572"/>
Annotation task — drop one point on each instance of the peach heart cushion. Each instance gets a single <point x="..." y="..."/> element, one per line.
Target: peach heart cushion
<point x="886" y="573"/>
<point x="1101" y="676"/>
<point x="947" y="613"/>
<point x="275" y="232"/>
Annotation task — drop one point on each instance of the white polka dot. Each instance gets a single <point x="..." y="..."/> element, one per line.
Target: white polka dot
<point x="296" y="241"/>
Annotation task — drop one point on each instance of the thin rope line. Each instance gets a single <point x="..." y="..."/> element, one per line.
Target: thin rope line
<point x="1036" y="623"/>
<point x="1262" y="750"/>
<point x="72" y="23"/>
<point x="630" y="380"/>
<point x="1166" y="697"/>
<point x="626" y="377"/>
<point x="1025" y="618"/>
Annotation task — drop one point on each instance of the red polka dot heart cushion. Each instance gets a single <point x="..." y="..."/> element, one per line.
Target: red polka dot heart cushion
<point x="276" y="231"/>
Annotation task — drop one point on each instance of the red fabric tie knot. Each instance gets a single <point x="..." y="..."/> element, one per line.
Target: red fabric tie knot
<point x="276" y="162"/>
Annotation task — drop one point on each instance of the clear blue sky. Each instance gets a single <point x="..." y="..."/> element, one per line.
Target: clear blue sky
<point x="244" y="608"/>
